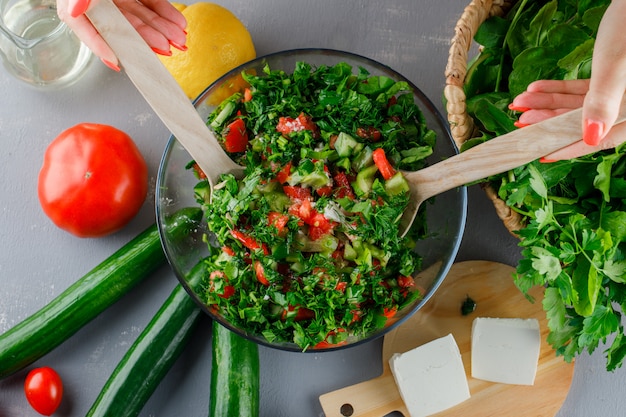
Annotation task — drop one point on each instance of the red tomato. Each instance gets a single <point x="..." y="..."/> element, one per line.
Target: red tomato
<point x="343" y="187"/>
<point x="236" y="136"/>
<point x="93" y="180"/>
<point x="296" y="192"/>
<point x="260" y="273"/>
<point x="381" y="161"/>
<point x="279" y="221"/>
<point x="286" y="125"/>
<point x="284" y="173"/>
<point x="406" y="282"/>
<point x="44" y="390"/>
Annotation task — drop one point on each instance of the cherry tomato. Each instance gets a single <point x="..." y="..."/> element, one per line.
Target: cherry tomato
<point x="93" y="180"/>
<point x="44" y="390"/>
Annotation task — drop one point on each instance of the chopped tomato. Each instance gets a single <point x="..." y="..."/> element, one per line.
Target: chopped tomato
<point x="287" y="125"/>
<point x="260" y="273"/>
<point x="279" y="221"/>
<point x="199" y="172"/>
<point x="298" y="313"/>
<point x="248" y="241"/>
<point x="406" y="282"/>
<point x="319" y="226"/>
<point x="236" y="136"/>
<point x="332" y="339"/>
<point x="343" y="187"/>
<point x="229" y="290"/>
<point x="228" y="250"/>
<point x="296" y="192"/>
<point x="370" y="133"/>
<point x="341" y="286"/>
<point x="381" y="161"/>
<point x="390" y="312"/>
<point x="247" y="94"/>
<point x="283" y="174"/>
<point x="325" y="191"/>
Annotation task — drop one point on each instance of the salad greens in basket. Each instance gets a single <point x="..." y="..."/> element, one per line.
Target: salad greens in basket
<point x="305" y="248"/>
<point x="573" y="237"/>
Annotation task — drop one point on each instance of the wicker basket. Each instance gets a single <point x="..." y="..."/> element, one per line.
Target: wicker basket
<point x="461" y="123"/>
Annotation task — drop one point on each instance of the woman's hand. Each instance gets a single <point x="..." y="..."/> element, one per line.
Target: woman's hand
<point x="599" y="97"/>
<point x="157" y="21"/>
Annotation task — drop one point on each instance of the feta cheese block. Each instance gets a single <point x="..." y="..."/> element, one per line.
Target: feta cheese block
<point x="505" y="350"/>
<point x="431" y="377"/>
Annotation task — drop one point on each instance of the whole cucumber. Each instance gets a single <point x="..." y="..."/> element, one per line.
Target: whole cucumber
<point x="80" y="303"/>
<point x="152" y="355"/>
<point x="234" y="375"/>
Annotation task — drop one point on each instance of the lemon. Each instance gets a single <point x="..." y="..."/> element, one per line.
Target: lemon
<point x="217" y="41"/>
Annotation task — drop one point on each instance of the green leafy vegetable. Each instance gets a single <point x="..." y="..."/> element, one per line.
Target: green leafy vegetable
<point x="574" y="235"/>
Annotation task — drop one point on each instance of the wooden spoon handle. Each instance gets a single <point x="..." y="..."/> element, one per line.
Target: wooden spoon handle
<point x="159" y="88"/>
<point x="503" y="153"/>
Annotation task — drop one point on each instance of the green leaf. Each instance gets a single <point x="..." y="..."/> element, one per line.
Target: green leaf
<point x="602" y="181"/>
<point x="597" y="327"/>
<point x="546" y="263"/>
<point x="493" y="118"/>
<point x="615" y="270"/>
<point x="534" y="64"/>
<point x="537" y="183"/>
<point x="587" y="283"/>
<point x="615" y="222"/>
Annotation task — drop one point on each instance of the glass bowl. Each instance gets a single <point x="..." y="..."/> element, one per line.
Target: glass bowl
<point x="175" y="190"/>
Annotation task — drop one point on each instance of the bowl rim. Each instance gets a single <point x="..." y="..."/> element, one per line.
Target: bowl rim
<point x="444" y="268"/>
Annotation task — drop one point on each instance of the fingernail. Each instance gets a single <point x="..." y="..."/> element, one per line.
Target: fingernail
<point x="519" y="124"/>
<point x="80" y="7"/>
<point x="593" y="132"/>
<point x="111" y="65"/>
<point x="518" y="108"/>
<point x="179" y="47"/>
<point x="162" y="52"/>
<point x="545" y="160"/>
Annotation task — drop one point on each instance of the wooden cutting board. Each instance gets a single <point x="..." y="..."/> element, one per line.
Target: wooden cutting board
<point x="491" y="286"/>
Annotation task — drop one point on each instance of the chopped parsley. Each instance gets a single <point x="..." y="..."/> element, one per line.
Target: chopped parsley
<point x="305" y="248"/>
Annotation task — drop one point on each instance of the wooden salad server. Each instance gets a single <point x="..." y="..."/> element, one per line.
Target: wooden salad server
<point x="162" y="92"/>
<point x="495" y="156"/>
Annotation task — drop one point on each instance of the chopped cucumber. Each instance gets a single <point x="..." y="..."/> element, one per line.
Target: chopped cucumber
<point x="396" y="184"/>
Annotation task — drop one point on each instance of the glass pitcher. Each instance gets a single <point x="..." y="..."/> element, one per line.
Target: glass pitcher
<point x="37" y="47"/>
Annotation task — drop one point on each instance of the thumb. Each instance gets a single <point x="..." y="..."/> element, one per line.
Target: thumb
<point x="608" y="76"/>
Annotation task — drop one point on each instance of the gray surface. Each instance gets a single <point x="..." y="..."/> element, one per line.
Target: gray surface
<point x="38" y="261"/>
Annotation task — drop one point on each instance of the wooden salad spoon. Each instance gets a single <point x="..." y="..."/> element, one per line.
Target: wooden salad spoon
<point x="495" y="156"/>
<point x="162" y="92"/>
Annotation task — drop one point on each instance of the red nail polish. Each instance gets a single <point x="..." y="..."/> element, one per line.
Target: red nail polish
<point x="111" y="65"/>
<point x="593" y="132"/>
<point x="80" y="7"/>
<point x="162" y="52"/>
<point x="179" y="47"/>
<point x="545" y="160"/>
<point x="517" y="108"/>
<point x="519" y="124"/>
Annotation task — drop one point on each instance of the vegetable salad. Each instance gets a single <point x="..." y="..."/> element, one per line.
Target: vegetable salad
<point x="305" y="248"/>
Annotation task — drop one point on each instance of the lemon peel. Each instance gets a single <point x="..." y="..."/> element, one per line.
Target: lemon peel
<point x="217" y="42"/>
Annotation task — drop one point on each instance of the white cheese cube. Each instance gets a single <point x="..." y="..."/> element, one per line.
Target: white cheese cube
<point x="505" y="350"/>
<point x="431" y="377"/>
